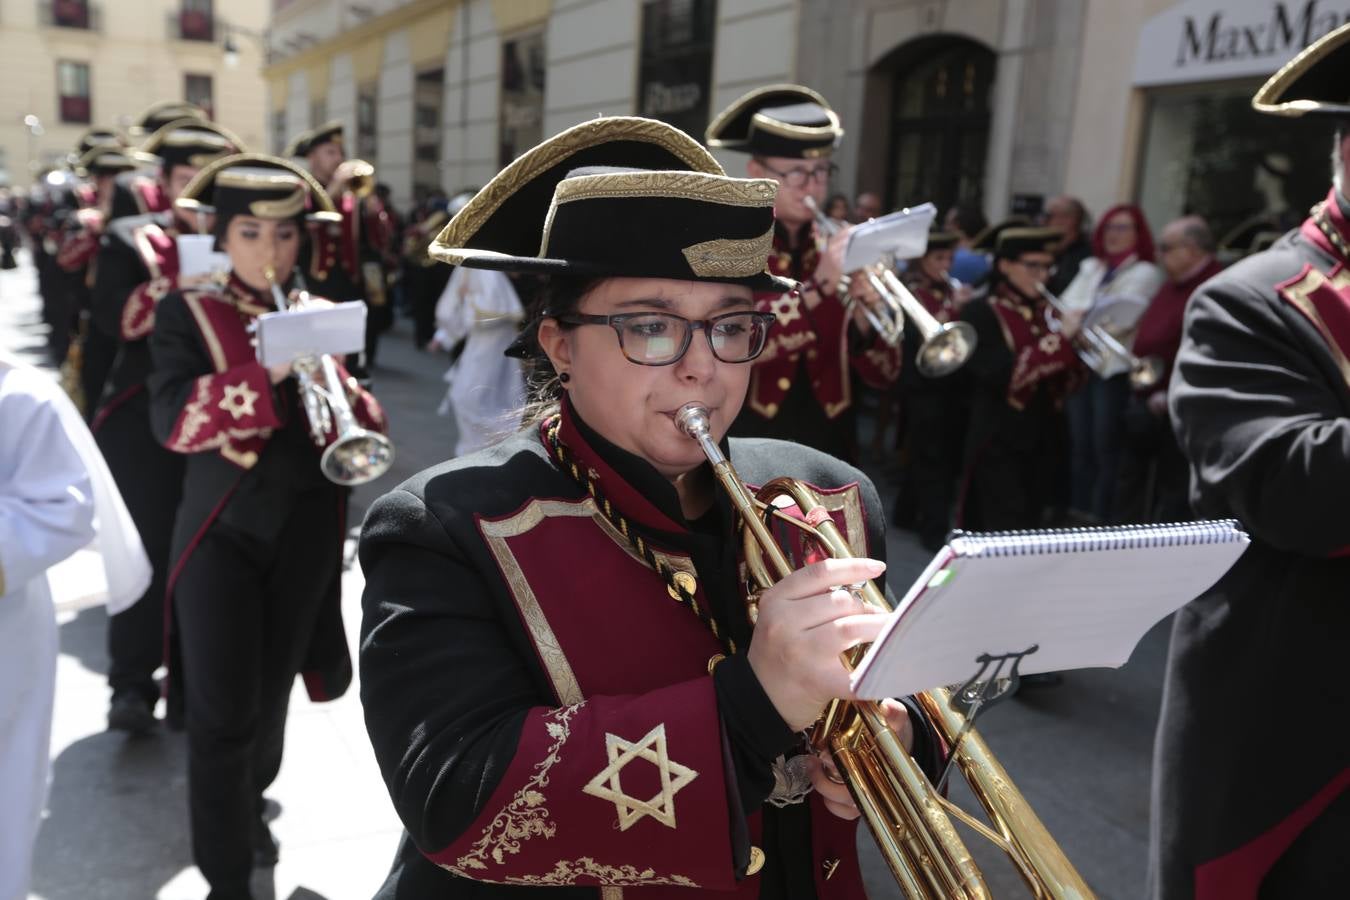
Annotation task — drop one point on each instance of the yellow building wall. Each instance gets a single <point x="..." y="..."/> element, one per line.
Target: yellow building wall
<point x="133" y="63"/>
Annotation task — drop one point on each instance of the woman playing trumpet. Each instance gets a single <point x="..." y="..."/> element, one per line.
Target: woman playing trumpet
<point x="257" y="546"/>
<point x="558" y="669"/>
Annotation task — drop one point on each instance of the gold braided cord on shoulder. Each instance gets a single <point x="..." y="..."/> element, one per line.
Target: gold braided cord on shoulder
<point x="738" y="105"/>
<point x="1266" y="99"/>
<point x="532" y="163"/>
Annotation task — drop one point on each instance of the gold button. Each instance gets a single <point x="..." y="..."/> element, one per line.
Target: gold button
<point x="810" y="354"/>
<point x="756" y="861"/>
<point x="684" y="580"/>
<point x="784" y="384"/>
<point x="714" y="660"/>
<point x="830" y="865"/>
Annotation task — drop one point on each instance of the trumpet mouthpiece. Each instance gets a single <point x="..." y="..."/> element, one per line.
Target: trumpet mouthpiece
<point x="692" y="419"/>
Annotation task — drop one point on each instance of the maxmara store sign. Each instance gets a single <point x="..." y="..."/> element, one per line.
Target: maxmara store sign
<point x="1208" y="40"/>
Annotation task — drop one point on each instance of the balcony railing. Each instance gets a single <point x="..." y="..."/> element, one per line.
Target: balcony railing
<point x="79" y="14"/>
<point x="75" y="110"/>
<point x="191" y="25"/>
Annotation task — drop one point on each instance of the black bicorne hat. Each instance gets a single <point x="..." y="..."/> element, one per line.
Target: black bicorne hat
<point x="618" y="196"/>
<point x="779" y="120"/>
<point x="306" y="141"/>
<point x="105" y="159"/>
<point x="1013" y="242"/>
<point x="191" y="142"/>
<point x="255" y="184"/>
<point x="987" y="240"/>
<point x="160" y="114"/>
<point x="1316" y="81"/>
<point x="95" y="137"/>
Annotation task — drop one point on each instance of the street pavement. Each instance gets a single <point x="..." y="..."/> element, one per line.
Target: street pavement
<point x="116" y="824"/>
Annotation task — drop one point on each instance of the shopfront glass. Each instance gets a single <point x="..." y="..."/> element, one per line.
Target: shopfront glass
<point x="1207" y="152"/>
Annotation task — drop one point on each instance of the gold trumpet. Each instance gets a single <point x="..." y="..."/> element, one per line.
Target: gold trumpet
<point x="945" y="347"/>
<point x="909" y="818"/>
<point x="357" y="176"/>
<point x="356" y="455"/>
<point x="1096" y="347"/>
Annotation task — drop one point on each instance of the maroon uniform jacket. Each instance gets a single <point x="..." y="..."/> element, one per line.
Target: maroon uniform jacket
<point x="545" y="714"/>
<point x="818" y="345"/>
<point x="211" y="399"/>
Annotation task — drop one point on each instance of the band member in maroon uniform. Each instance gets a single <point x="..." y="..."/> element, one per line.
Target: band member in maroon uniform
<point x="1020" y="373"/>
<point x="142" y="192"/>
<point x="933" y="411"/>
<point x="570" y="727"/>
<point x="257" y="545"/>
<point x="137" y="267"/>
<point x="801" y="387"/>
<point x="366" y="244"/>
<point x="1260" y="401"/>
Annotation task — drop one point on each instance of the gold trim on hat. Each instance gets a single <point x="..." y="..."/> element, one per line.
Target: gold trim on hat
<point x="265" y="179"/>
<point x="700" y="186"/>
<point x="737" y="106"/>
<point x="729" y="257"/>
<point x="208" y="175"/>
<point x="284" y="208"/>
<point x="531" y="164"/>
<point x="798" y="132"/>
<point x="1266" y="99"/>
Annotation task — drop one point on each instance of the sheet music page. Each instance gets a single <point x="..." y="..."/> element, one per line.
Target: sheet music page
<point x="289" y="335"/>
<point x="1081" y="609"/>
<point x="903" y="233"/>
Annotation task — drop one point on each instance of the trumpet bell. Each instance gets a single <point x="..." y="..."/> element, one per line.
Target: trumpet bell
<point x="947" y="350"/>
<point x="357" y="457"/>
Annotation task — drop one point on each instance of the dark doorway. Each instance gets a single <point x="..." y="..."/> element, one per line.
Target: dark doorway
<point x="939" y="121"/>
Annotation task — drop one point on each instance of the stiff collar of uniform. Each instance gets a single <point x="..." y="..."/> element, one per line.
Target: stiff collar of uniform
<point x="1012" y="298"/>
<point x="1332" y="214"/>
<point x="246" y="299"/>
<point x="629" y="482"/>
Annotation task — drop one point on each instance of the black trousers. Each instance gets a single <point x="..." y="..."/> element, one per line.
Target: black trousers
<point x="150" y="479"/>
<point x="246" y="609"/>
<point x="934" y="423"/>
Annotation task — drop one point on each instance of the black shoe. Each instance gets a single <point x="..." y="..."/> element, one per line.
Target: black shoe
<point x="266" y="851"/>
<point x="132" y="714"/>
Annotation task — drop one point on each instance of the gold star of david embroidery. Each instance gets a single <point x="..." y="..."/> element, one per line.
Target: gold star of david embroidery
<point x="651" y="748"/>
<point x="238" y="400"/>
<point x="785" y="308"/>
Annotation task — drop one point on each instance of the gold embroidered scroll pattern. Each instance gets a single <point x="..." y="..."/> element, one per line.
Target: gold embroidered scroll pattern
<point x="526" y="816"/>
<point x="651" y="748"/>
<point x="729" y="258"/>
<point x="568" y="871"/>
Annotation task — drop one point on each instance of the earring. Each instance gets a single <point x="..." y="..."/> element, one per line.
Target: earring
<point x="564" y="377"/>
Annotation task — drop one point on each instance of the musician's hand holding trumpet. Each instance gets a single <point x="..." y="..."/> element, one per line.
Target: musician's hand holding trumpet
<point x="805" y="623"/>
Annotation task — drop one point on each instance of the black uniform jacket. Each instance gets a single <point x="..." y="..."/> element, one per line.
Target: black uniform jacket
<point x="1260" y="401"/>
<point x="541" y="706"/>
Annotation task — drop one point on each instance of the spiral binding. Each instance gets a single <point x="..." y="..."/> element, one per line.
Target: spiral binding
<point x="1039" y="542"/>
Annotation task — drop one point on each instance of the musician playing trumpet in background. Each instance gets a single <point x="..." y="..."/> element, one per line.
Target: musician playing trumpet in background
<point x="801" y="386"/>
<point x="359" y="256"/>
<point x="257" y="545"/>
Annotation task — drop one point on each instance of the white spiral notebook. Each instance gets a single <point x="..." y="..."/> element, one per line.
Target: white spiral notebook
<point x="1082" y="597"/>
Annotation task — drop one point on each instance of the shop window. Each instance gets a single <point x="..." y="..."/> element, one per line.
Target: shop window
<point x="367" y="132"/>
<point x="522" y="100"/>
<point x="428" y="94"/>
<point x="939" y="123"/>
<point x="198" y="89"/>
<point x="1207" y="152"/>
<point x="675" y="70"/>
<point x="72" y="81"/>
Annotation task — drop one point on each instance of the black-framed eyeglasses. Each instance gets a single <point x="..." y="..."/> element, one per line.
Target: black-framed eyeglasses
<point x="662" y="339"/>
<point x="798" y="177"/>
<point x="1042" y="267"/>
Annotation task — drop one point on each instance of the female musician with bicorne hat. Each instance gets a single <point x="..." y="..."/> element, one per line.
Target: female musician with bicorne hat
<point x="557" y="666"/>
<point x="256" y="557"/>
